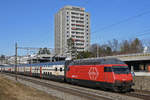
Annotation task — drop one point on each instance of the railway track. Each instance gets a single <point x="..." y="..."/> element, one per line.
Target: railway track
<point x="89" y="94"/>
<point x="139" y="94"/>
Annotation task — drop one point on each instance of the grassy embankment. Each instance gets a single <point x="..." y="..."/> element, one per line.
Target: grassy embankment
<point x="10" y="90"/>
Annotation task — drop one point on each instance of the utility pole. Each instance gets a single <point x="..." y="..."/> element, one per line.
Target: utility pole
<point x="97" y="51"/>
<point x="16" y="60"/>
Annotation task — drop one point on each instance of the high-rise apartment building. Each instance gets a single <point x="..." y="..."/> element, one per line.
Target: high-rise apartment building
<point x="72" y="22"/>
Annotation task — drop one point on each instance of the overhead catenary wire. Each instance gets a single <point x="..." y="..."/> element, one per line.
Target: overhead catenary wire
<point x="139" y="34"/>
<point x="126" y="20"/>
<point x="121" y="21"/>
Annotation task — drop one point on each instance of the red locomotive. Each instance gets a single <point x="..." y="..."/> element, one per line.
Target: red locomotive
<point x="103" y="73"/>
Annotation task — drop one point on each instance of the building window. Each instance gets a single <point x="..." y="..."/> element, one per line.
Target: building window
<point x="80" y="29"/>
<point x="79" y="25"/>
<point x="79" y="32"/>
<point x="72" y="32"/>
<point x="73" y="20"/>
<point x="73" y="24"/>
<point x="82" y="14"/>
<point x="74" y="13"/>
<point x="73" y="35"/>
<point x="80" y="21"/>
<point x="55" y="69"/>
<point x="81" y="17"/>
<point x="79" y="44"/>
<point x="72" y="16"/>
<point x="82" y="32"/>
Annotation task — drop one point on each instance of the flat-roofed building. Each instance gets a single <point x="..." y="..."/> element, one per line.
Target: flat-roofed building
<point x="72" y="22"/>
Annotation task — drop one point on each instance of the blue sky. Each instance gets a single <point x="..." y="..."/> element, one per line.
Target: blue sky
<point x="30" y="23"/>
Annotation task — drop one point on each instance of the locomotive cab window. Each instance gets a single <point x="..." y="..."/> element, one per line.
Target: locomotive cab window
<point x="107" y="69"/>
<point x="121" y="69"/>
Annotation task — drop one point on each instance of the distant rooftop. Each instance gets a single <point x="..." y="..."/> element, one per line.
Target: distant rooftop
<point x="73" y="8"/>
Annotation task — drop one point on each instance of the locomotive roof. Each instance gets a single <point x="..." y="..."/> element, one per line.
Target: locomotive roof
<point x="97" y="61"/>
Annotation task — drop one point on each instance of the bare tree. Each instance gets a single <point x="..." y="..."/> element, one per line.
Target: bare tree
<point x="114" y="45"/>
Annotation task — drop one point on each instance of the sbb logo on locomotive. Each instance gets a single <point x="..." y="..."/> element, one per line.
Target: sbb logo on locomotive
<point x="93" y="73"/>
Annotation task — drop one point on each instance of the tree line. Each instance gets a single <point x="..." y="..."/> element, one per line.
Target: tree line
<point x="113" y="47"/>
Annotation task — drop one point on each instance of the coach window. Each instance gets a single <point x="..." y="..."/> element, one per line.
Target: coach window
<point x="55" y="69"/>
<point x="60" y="69"/>
<point x="107" y="69"/>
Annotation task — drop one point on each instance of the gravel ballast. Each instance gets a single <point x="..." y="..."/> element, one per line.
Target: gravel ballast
<point x="142" y="82"/>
